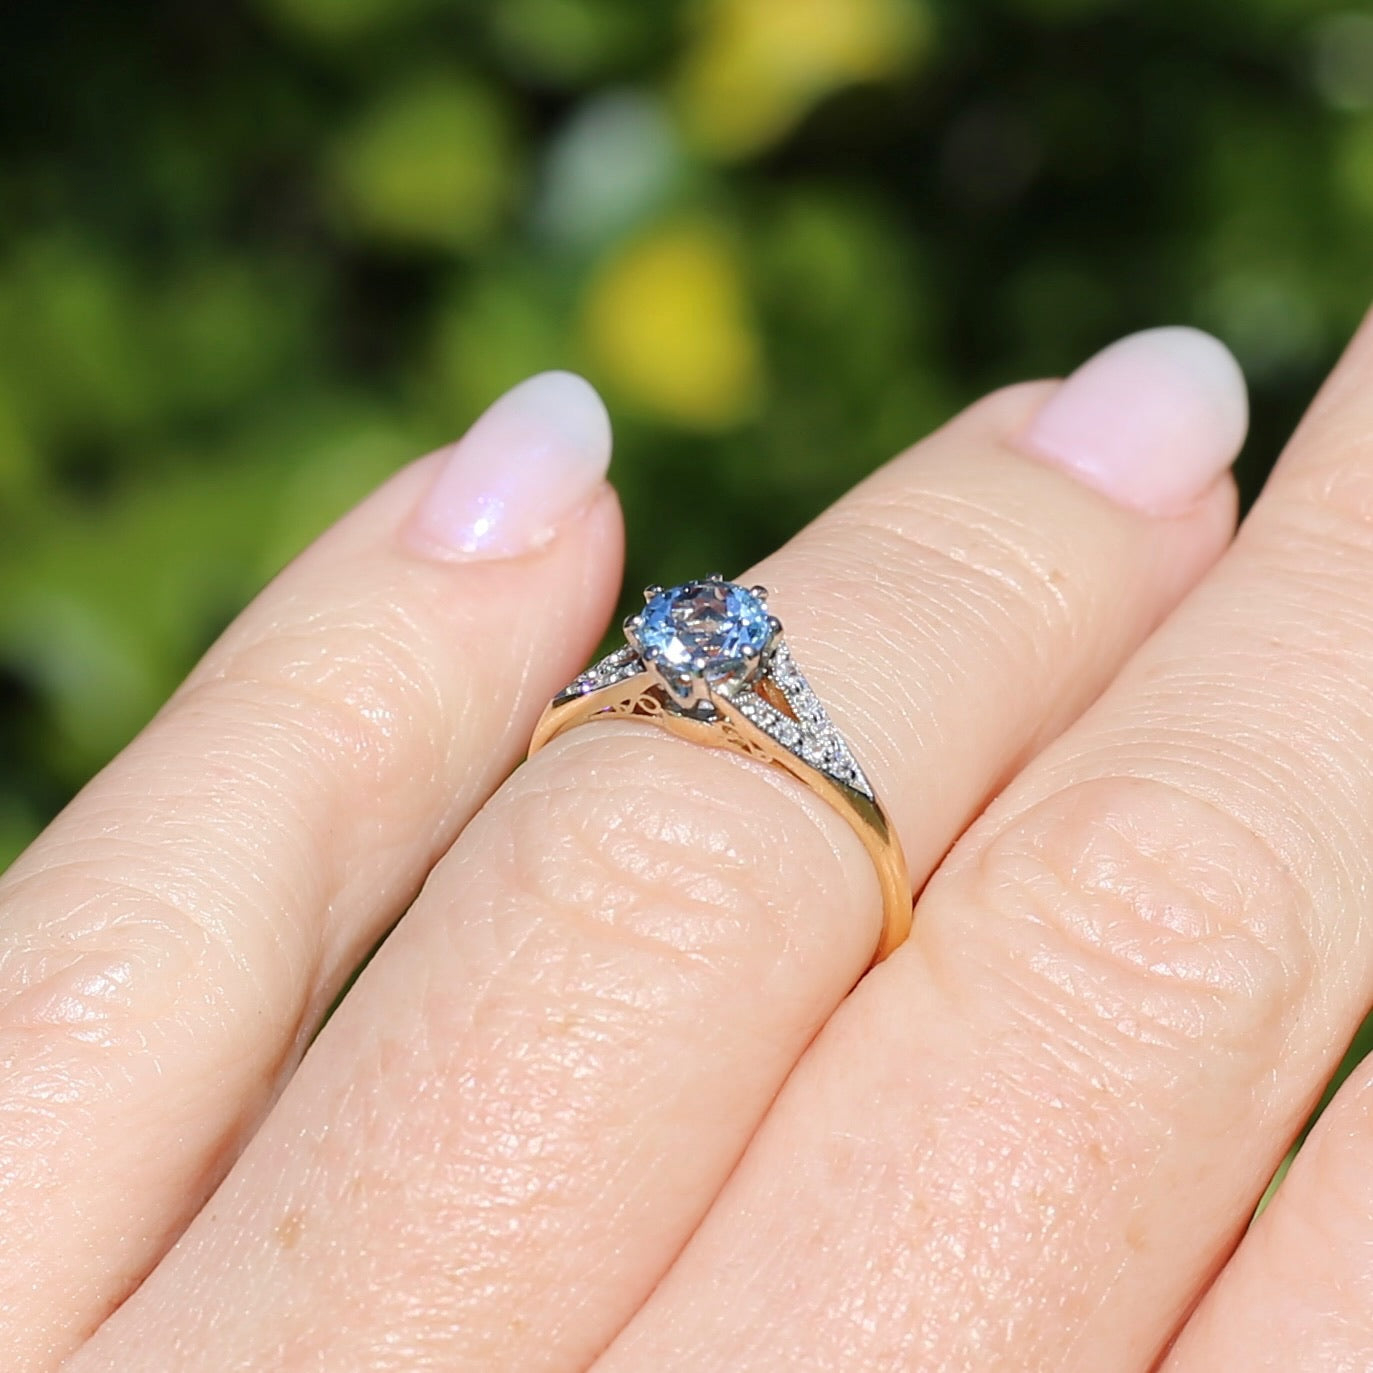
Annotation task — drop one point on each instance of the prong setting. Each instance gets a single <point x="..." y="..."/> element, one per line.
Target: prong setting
<point x="702" y="640"/>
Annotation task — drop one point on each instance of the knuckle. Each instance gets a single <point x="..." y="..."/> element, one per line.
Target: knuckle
<point x="976" y="561"/>
<point x="125" y="955"/>
<point x="617" y="893"/>
<point x="674" y="851"/>
<point x="356" y="690"/>
<point x="946" y="560"/>
<point x="1140" y="917"/>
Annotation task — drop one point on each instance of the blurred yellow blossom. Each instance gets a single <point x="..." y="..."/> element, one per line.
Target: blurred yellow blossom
<point x="757" y="66"/>
<point x="668" y="324"/>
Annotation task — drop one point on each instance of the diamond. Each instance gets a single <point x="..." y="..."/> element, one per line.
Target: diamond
<point x="615" y="667"/>
<point x="811" y="735"/>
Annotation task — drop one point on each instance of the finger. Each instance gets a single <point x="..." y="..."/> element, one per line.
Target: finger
<point x="1029" y="1139"/>
<point x="1296" y="1297"/>
<point x="520" y="1114"/>
<point x="180" y="928"/>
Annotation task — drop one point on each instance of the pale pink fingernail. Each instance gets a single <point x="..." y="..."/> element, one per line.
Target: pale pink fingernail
<point x="1151" y="421"/>
<point x="528" y="463"/>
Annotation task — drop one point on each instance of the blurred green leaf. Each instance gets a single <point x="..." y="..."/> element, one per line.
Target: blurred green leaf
<point x="331" y="22"/>
<point x="574" y="41"/>
<point x="432" y="164"/>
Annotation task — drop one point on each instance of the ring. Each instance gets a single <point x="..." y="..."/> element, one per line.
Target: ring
<point x="707" y="661"/>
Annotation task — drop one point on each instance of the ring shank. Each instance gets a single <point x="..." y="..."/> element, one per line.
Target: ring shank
<point x="636" y="698"/>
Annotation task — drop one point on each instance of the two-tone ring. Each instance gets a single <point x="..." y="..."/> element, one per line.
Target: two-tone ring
<point x="708" y="662"/>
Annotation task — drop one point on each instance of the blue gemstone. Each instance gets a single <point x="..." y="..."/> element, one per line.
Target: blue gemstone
<point x="716" y="623"/>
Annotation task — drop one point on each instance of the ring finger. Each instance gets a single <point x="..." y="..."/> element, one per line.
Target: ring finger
<point x="543" y="1079"/>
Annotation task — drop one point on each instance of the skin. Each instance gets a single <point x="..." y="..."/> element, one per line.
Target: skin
<point x="605" y="1099"/>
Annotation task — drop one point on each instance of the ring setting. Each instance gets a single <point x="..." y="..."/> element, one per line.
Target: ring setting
<point x="703" y="637"/>
<point x="707" y="660"/>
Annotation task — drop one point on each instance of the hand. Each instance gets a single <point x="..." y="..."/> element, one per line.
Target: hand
<point x="605" y="1098"/>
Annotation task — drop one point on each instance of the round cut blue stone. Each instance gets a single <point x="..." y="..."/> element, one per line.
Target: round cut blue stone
<point x="710" y="628"/>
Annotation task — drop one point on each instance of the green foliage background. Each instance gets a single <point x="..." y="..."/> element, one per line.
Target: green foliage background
<point x="257" y="254"/>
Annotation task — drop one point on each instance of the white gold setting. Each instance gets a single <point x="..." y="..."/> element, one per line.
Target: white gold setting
<point x="761" y="679"/>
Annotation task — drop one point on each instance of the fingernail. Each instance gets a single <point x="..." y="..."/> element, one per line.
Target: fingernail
<point x="528" y="463"/>
<point x="1151" y="421"/>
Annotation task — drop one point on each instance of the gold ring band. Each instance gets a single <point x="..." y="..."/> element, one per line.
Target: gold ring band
<point x="757" y="704"/>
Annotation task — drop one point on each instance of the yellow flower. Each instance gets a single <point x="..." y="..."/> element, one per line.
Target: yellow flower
<point x="667" y="323"/>
<point x="757" y="66"/>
